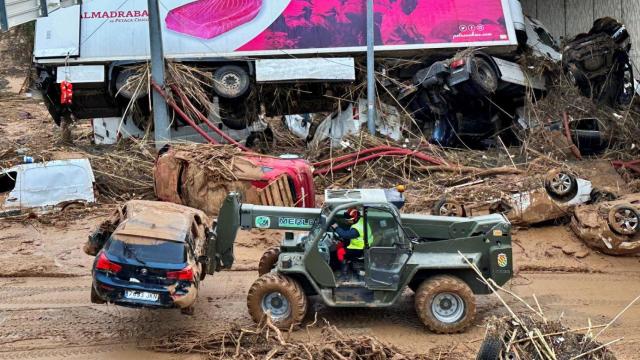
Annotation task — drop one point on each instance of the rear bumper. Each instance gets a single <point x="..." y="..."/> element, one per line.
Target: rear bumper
<point x="112" y="290"/>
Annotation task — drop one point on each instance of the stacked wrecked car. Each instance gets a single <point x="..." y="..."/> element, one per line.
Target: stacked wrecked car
<point x="150" y="254"/>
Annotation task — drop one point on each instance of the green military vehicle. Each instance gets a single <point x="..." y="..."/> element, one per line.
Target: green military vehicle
<point x="421" y="252"/>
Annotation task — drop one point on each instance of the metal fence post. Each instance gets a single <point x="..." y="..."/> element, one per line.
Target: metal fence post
<point x="160" y="113"/>
<point x="371" y="80"/>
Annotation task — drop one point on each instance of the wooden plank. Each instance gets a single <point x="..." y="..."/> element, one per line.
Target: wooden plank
<point x="579" y="17"/>
<point x="269" y="195"/>
<point x="551" y="13"/>
<point x="287" y="191"/>
<point x="631" y="19"/>
<point x="263" y="197"/>
<point x="602" y="8"/>
<point x="283" y="196"/>
<point x="275" y="192"/>
<point x="530" y="7"/>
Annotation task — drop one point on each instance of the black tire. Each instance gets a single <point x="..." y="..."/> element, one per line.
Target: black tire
<point x="127" y="89"/>
<point x="230" y="81"/>
<point x="490" y="348"/>
<point x="95" y="298"/>
<point x="624" y="219"/>
<point x="483" y="79"/>
<point x="268" y="260"/>
<point x="234" y="121"/>
<point x="281" y="288"/>
<point x="561" y="185"/>
<point x="448" y="208"/>
<point x="444" y="293"/>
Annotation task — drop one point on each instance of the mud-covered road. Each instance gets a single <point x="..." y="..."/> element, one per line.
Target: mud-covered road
<point x="52" y="318"/>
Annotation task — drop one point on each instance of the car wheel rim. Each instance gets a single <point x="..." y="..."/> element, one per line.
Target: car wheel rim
<point x="449" y="209"/>
<point x="277" y="305"/>
<point x="447" y="307"/>
<point x="627" y="220"/>
<point x="230" y="82"/>
<point x="561" y="183"/>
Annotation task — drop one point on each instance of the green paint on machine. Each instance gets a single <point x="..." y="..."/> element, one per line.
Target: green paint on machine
<point x="263" y="222"/>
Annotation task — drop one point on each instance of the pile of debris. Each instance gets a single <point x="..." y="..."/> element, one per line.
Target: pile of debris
<point x="530" y="335"/>
<point x="534" y="339"/>
<point x="267" y="342"/>
<point x="219" y="161"/>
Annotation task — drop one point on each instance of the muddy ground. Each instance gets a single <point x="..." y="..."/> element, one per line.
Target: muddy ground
<point x="45" y="312"/>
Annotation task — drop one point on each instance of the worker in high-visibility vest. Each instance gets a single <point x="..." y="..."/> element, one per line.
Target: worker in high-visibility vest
<point x="353" y="239"/>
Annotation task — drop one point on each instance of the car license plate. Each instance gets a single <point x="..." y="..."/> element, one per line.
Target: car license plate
<point x="140" y="295"/>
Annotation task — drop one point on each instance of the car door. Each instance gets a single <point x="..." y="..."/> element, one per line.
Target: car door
<point x="389" y="252"/>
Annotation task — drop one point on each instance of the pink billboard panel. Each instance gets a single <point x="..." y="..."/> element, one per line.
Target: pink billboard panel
<point x="335" y="24"/>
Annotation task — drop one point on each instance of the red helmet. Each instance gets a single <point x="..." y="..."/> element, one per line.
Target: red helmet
<point x="352" y="214"/>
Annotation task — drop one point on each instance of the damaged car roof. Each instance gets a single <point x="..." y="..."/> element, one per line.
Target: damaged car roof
<point x="158" y="220"/>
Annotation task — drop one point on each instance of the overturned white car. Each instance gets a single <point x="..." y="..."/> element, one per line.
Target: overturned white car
<point x="43" y="187"/>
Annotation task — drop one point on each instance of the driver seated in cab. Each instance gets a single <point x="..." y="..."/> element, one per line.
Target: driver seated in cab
<point x="352" y="239"/>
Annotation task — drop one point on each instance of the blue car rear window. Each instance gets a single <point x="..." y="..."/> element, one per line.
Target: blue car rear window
<point x="159" y="251"/>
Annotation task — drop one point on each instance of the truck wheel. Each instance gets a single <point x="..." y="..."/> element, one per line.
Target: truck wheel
<point x="268" y="260"/>
<point x="130" y="84"/>
<point x="624" y="219"/>
<point x="95" y="298"/>
<point x="445" y="304"/>
<point x="279" y="295"/>
<point x="490" y="348"/>
<point x="233" y="115"/>
<point x="561" y="185"/>
<point x="448" y="208"/>
<point x="230" y="81"/>
<point x="483" y="79"/>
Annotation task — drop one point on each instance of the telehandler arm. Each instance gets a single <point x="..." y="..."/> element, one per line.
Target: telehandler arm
<point x="235" y="215"/>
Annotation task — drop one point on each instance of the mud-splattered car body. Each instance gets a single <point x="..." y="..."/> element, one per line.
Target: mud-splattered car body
<point x="181" y="177"/>
<point x="610" y="226"/>
<point x="43" y="187"/>
<point x="150" y="254"/>
<point x="598" y="63"/>
<point x="557" y="194"/>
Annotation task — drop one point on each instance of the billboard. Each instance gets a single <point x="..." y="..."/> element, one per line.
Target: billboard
<point x="204" y="28"/>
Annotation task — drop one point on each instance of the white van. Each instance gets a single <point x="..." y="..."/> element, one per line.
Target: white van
<point x="46" y="186"/>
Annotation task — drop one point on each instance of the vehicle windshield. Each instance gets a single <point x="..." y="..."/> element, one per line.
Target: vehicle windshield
<point x="317" y="227"/>
<point x="145" y="250"/>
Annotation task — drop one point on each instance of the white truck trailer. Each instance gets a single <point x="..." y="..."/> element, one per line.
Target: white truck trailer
<point x="244" y="43"/>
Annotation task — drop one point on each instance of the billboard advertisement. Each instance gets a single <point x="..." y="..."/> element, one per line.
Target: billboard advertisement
<point x="276" y="27"/>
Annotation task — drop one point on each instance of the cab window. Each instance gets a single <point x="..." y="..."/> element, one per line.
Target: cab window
<point x="384" y="227"/>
